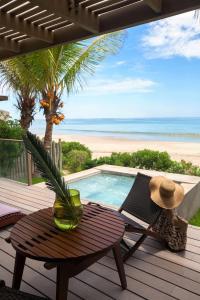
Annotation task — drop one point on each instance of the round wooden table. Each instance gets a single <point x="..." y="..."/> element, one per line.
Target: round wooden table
<point x="36" y="237"/>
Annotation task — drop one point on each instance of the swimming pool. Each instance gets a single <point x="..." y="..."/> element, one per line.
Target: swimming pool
<point x="105" y="188"/>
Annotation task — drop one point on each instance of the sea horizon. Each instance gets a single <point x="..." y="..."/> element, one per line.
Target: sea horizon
<point x="180" y="129"/>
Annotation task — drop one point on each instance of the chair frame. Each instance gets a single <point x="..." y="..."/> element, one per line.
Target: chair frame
<point x="144" y="231"/>
<point x="134" y="226"/>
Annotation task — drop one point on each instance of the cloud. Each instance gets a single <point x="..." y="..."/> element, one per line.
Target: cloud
<point x="119" y="86"/>
<point x="174" y="36"/>
<point x="121" y="62"/>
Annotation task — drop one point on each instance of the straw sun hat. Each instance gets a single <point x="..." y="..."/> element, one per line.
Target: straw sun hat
<point x="166" y="193"/>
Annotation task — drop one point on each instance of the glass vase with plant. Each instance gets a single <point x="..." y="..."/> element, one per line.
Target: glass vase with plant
<point x="67" y="209"/>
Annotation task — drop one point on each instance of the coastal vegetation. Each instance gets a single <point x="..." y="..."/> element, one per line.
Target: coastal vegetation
<point x="143" y="159"/>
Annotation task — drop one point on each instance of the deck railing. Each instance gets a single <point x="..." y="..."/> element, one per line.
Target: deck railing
<point x="17" y="164"/>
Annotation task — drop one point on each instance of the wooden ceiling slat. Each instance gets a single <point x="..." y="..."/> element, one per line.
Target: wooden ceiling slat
<point x="12" y="8"/>
<point x="14" y="5"/>
<point x="33" y="14"/>
<point x="116" y="5"/>
<point x="43" y="19"/>
<point x="100" y="5"/>
<point x="5" y="3"/>
<point x="91" y="2"/>
<point x="58" y="25"/>
<point x="80" y="17"/>
<point x="18" y="24"/>
<point x="11" y="35"/>
<point x="51" y="22"/>
<point x="4" y="32"/>
<point x="9" y="45"/>
<point x="19" y="37"/>
<point x="25" y="10"/>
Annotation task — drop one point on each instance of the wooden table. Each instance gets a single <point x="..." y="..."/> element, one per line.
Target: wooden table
<point x="36" y="237"/>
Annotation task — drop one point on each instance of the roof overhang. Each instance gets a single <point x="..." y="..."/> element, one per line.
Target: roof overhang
<point x="30" y="25"/>
<point x="3" y="98"/>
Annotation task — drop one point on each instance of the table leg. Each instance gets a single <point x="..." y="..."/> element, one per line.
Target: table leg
<point x="18" y="270"/>
<point x="120" y="265"/>
<point x="61" y="283"/>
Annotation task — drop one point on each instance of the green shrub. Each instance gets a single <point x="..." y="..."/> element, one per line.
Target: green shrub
<point x="69" y="146"/>
<point x="10" y="130"/>
<point x="76" y="160"/>
<point x="121" y="159"/>
<point x="195" y="220"/>
<point x="184" y="167"/>
<point x="151" y="160"/>
<point x="103" y="160"/>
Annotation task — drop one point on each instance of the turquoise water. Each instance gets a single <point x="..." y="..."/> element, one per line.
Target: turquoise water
<point x="104" y="188"/>
<point x="153" y="129"/>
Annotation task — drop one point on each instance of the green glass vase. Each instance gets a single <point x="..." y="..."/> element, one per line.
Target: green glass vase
<point x="67" y="217"/>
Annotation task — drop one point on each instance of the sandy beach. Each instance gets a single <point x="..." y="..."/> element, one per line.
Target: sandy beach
<point x="104" y="146"/>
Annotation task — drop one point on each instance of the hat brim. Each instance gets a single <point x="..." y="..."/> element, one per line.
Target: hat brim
<point x="167" y="203"/>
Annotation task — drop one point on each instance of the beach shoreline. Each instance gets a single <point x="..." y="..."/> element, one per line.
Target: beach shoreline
<point x="104" y="146"/>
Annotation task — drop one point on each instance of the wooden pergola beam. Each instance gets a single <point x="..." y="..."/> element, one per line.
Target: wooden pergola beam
<point x="10" y="45"/>
<point x="155" y="5"/>
<point x="17" y="24"/>
<point x="139" y="13"/>
<point x="3" y="98"/>
<point x="77" y="15"/>
<point x="125" y="17"/>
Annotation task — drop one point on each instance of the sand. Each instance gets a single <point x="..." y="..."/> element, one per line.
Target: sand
<point x="103" y="146"/>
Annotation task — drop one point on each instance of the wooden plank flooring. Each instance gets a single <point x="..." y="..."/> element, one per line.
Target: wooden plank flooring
<point x="152" y="272"/>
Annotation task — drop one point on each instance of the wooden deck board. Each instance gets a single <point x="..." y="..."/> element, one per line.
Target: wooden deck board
<point x="152" y="272"/>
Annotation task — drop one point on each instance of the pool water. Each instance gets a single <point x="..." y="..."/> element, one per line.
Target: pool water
<point x="104" y="188"/>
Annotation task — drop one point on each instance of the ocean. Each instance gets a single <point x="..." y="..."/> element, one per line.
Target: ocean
<point x="151" y="129"/>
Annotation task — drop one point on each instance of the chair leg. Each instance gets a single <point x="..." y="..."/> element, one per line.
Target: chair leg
<point x="120" y="266"/>
<point x="134" y="248"/>
<point x="18" y="270"/>
<point x="124" y="245"/>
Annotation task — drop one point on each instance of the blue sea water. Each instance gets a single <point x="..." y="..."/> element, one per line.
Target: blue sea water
<point x="152" y="129"/>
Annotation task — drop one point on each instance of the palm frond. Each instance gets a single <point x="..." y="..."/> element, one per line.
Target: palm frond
<point x="46" y="167"/>
<point x="89" y="57"/>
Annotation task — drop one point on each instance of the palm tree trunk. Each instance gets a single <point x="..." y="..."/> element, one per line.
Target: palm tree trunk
<point x="48" y="134"/>
<point x="26" y="121"/>
<point x="26" y="106"/>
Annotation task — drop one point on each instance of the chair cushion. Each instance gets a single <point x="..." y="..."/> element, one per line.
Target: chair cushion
<point x="9" y="215"/>
<point x="138" y="202"/>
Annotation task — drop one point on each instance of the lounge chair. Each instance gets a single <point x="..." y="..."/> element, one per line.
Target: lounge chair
<point x="9" y="215"/>
<point x="139" y="204"/>
<point x="7" y="293"/>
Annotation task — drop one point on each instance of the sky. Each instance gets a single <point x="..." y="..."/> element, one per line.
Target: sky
<point x="154" y="74"/>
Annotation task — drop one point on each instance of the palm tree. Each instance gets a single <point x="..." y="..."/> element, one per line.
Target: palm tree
<point x="65" y="68"/>
<point x="15" y="74"/>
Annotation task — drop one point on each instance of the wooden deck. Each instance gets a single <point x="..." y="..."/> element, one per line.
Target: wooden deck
<point x="152" y="272"/>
